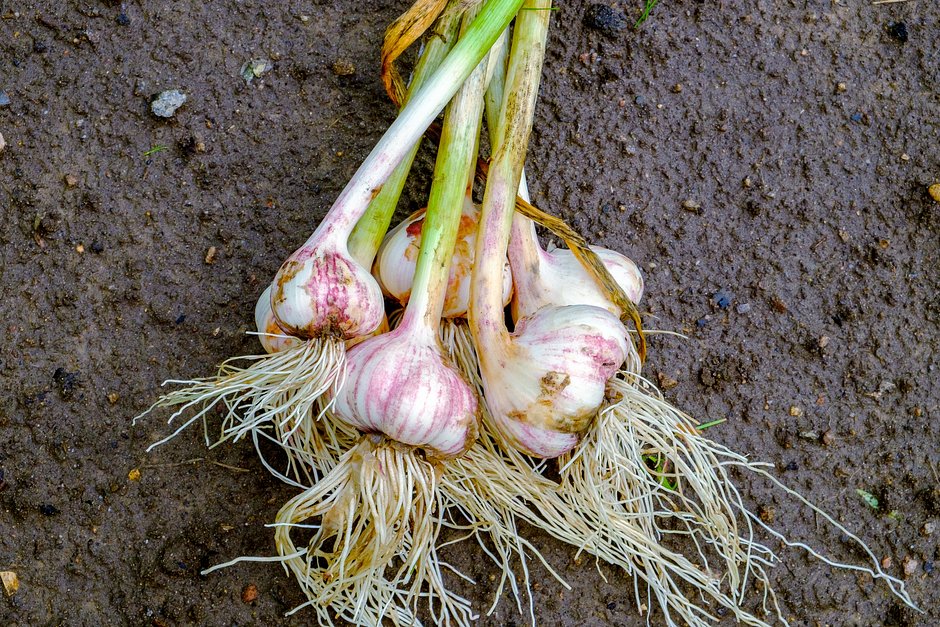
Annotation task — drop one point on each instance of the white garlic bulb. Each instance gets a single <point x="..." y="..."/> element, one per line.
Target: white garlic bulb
<point x="395" y="263"/>
<point x="545" y="383"/>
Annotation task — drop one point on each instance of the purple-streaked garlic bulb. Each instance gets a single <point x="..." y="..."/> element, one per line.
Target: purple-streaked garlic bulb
<point x="399" y="384"/>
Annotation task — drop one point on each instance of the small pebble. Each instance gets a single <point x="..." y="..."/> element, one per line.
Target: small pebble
<point x="747" y="181"/>
<point x="250" y="593"/>
<point x="666" y="382"/>
<point x="210" y="255"/>
<point x="343" y="67"/>
<point x="828" y="438"/>
<point x="743" y="308"/>
<point x="928" y="528"/>
<point x="677" y="88"/>
<point x="70" y="180"/>
<point x="856" y="117"/>
<point x="823" y="341"/>
<point x="795" y="411"/>
<point x="934" y="191"/>
<point x="640" y="100"/>
<point x="122" y="19"/>
<point x="910" y="565"/>
<point x="886" y="563"/>
<point x="691" y="205"/>
<point x="113" y="397"/>
<point x="167" y="102"/>
<point x="898" y="31"/>
<point x="134" y="474"/>
<point x="928" y="567"/>
<point x="723" y="298"/>
<point x="841" y="88"/>
<point x="80" y="249"/>
<point x="3" y="142"/>
<point x="905" y="157"/>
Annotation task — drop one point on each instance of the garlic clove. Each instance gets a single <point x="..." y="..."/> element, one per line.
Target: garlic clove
<point x="562" y="280"/>
<point x="401" y="386"/>
<point x="273" y="338"/>
<point x="397" y="258"/>
<point x="546" y="384"/>
<point x="322" y="291"/>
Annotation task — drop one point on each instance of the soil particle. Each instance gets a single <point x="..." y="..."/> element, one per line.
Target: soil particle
<point x="606" y="20"/>
<point x="250" y="593"/>
<point x="898" y="31"/>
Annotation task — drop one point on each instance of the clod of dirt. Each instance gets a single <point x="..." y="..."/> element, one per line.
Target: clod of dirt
<point x="898" y="31"/>
<point x="250" y="593"/>
<point x="666" y="382"/>
<point x="67" y="382"/>
<point x="343" y="67"/>
<point x="167" y="102"/>
<point x="47" y="509"/>
<point x="11" y="583"/>
<point x="605" y="20"/>
<point x="719" y="369"/>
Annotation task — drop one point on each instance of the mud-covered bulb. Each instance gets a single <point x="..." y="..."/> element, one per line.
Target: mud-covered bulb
<point x="544" y="386"/>
<point x="399" y="384"/>
<point x="395" y="263"/>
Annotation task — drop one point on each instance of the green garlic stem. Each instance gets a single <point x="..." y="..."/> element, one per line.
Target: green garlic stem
<point x="413" y="121"/>
<point x="366" y="238"/>
<point x="505" y="171"/>
<point x="456" y="164"/>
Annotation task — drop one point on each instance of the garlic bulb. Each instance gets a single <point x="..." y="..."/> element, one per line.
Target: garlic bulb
<point x="273" y="338"/>
<point x="399" y="384"/>
<point x="397" y="257"/>
<point x="322" y="291"/>
<point x="560" y="279"/>
<point x="544" y="385"/>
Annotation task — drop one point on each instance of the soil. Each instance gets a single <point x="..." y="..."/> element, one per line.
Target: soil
<point x="776" y="201"/>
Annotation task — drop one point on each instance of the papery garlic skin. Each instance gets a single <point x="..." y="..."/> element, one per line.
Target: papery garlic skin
<point x="395" y="262"/>
<point x="562" y="280"/>
<point x="401" y="386"/>
<point x="322" y="291"/>
<point x="272" y="337"/>
<point x="545" y="385"/>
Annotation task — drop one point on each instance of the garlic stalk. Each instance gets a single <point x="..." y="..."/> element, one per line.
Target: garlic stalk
<point x="395" y="262"/>
<point x="374" y="553"/>
<point x="544" y="382"/>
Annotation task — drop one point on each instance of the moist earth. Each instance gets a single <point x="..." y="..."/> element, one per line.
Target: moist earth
<point x="766" y="164"/>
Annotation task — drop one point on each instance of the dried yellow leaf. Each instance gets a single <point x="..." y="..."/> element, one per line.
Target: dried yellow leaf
<point x="11" y="583"/>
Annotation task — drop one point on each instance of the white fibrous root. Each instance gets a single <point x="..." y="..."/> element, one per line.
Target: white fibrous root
<point x="395" y="263"/>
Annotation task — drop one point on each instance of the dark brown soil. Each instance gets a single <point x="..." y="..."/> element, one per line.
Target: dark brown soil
<point x="804" y="271"/>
